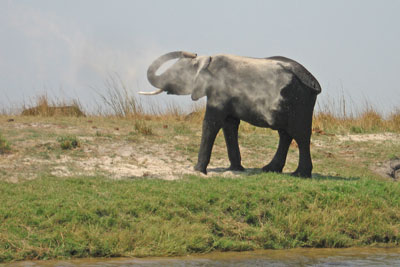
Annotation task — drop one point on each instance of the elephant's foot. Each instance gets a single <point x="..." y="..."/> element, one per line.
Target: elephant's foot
<point x="272" y="168"/>
<point x="301" y="173"/>
<point x="200" y="169"/>
<point x="238" y="168"/>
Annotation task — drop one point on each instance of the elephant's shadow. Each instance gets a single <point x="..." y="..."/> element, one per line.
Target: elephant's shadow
<point x="318" y="176"/>
<point x="256" y="171"/>
<point x="247" y="172"/>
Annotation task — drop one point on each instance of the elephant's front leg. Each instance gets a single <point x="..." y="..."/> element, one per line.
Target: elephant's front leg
<point x="211" y="128"/>
<point x="230" y="128"/>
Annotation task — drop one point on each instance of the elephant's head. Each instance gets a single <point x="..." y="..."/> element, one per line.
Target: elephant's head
<point x="187" y="76"/>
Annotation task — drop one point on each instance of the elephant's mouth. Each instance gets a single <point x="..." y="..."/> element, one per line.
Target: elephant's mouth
<point x="159" y="81"/>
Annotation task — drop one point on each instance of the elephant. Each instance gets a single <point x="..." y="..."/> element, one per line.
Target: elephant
<point x="274" y="92"/>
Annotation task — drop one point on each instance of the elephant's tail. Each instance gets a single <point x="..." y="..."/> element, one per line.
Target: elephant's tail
<point x="300" y="72"/>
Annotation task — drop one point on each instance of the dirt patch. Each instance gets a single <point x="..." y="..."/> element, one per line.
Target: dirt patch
<point x="37" y="151"/>
<point x="139" y="160"/>
<point x="116" y="149"/>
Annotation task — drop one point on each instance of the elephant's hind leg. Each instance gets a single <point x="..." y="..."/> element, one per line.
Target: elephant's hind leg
<point x="230" y="128"/>
<point x="305" y="164"/>
<point x="277" y="163"/>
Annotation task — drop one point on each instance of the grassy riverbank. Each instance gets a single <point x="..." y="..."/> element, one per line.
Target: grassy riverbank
<point x="51" y="217"/>
<point x="123" y="185"/>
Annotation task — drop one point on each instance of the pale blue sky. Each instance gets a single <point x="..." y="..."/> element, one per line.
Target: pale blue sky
<point x="66" y="47"/>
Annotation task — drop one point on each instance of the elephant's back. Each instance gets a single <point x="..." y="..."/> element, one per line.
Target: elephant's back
<point x="269" y="67"/>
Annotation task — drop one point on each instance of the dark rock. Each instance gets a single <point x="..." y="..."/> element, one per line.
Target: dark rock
<point x="395" y="169"/>
<point x="389" y="169"/>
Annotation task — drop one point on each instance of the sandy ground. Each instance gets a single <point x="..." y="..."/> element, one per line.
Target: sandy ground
<point x="115" y="158"/>
<point x="118" y="158"/>
<point x="389" y="168"/>
<point x="369" y="137"/>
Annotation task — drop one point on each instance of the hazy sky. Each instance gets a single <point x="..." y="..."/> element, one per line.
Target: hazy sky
<point x="67" y="47"/>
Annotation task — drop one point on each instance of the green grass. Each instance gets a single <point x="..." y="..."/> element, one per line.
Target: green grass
<point x="4" y="145"/>
<point x="97" y="217"/>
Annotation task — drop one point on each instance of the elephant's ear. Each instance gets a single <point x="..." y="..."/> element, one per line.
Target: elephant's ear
<point x="200" y="81"/>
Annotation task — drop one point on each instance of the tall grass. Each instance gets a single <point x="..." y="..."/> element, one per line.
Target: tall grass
<point x="335" y="115"/>
<point x="118" y="99"/>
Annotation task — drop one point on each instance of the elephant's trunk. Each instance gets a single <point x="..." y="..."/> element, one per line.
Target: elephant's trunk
<point x="157" y="80"/>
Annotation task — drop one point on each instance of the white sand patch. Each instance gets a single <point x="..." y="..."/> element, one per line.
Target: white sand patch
<point x="370" y="137"/>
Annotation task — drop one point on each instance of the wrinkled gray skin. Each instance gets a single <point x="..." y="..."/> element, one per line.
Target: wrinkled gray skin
<point x="274" y="92"/>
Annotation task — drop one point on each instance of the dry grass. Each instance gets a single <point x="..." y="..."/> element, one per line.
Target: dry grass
<point x="334" y="116"/>
<point x="143" y="128"/>
<point x="369" y="120"/>
<point x="48" y="108"/>
<point x="394" y="120"/>
<point x="118" y="100"/>
<point x="124" y="106"/>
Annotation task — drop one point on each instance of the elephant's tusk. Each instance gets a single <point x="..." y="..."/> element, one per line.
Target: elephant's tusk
<point x="159" y="91"/>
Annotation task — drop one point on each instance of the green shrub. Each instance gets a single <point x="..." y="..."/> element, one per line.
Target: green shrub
<point x="68" y="142"/>
<point x="356" y="129"/>
<point x="142" y="128"/>
<point x="4" y="145"/>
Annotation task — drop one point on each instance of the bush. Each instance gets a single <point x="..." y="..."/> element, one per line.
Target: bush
<point x="68" y="142"/>
<point x="142" y="128"/>
<point x="46" y="109"/>
<point x="4" y="145"/>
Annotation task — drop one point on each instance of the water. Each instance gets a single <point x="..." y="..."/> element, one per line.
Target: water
<point x="294" y="257"/>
